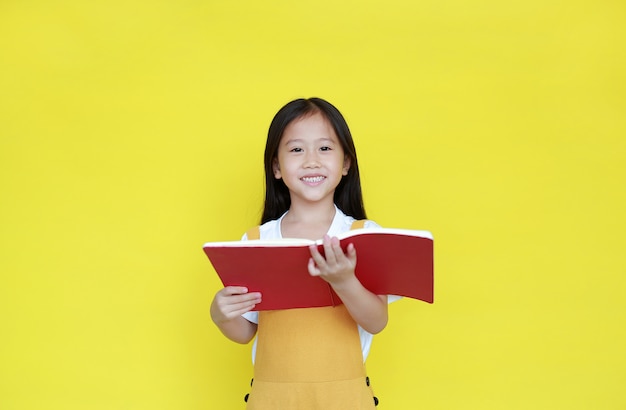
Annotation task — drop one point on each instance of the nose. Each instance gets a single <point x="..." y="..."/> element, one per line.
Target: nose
<point x="312" y="160"/>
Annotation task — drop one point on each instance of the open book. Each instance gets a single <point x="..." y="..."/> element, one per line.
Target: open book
<point x="389" y="262"/>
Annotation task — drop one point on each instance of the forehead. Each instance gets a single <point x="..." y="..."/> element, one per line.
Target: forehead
<point x="313" y="126"/>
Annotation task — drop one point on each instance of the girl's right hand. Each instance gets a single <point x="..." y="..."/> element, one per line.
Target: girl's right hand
<point x="231" y="302"/>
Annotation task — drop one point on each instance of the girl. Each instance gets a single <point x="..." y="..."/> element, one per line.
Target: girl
<point x="309" y="358"/>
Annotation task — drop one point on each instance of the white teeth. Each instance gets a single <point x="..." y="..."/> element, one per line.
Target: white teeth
<point x="313" y="179"/>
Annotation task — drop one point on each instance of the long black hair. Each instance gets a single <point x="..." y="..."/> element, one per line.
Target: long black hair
<point x="348" y="196"/>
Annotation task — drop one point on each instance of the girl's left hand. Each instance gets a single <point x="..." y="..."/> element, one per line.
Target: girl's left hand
<point x="335" y="267"/>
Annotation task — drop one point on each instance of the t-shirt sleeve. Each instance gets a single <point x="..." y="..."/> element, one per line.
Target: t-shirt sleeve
<point x="251" y="317"/>
<point x="393" y="298"/>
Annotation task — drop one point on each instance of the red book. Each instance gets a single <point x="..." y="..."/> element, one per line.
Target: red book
<point x="389" y="262"/>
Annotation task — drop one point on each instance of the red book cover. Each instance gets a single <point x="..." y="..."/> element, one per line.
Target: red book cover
<point x="389" y="262"/>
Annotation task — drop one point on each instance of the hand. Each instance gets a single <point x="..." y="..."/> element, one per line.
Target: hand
<point x="335" y="267"/>
<point x="231" y="302"/>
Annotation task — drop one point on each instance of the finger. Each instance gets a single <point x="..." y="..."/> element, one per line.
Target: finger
<point x="234" y="290"/>
<point x="329" y="252"/>
<point x="246" y="297"/>
<point x="240" y="308"/>
<point x="313" y="270"/>
<point x="317" y="257"/>
<point x="241" y="312"/>
<point x="225" y="299"/>
<point x="237" y="313"/>
<point x="340" y="257"/>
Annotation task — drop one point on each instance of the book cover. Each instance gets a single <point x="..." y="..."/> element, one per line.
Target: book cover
<point x="389" y="262"/>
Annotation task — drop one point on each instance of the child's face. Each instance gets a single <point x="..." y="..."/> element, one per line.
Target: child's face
<point x="310" y="159"/>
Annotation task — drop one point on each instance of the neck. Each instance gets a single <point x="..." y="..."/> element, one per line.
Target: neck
<point x="311" y="213"/>
<point x="310" y="221"/>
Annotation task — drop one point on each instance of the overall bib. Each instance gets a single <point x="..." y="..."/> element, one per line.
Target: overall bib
<point x="309" y="359"/>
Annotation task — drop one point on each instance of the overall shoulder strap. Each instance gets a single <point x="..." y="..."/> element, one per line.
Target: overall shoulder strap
<point x="253" y="233"/>
<point x="358" y="224"/>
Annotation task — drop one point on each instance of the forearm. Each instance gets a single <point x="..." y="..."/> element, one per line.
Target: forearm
<point x="238" y="329"/>
<point x="367" y="309"/>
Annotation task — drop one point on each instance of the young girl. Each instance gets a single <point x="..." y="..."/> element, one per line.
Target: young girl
<point x="309" y="358"/>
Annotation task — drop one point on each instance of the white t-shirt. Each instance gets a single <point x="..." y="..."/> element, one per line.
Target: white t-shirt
<point x="341" y="223"/>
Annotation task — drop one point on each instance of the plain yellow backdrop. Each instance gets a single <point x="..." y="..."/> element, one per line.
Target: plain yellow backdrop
<point x="131" y="132"/>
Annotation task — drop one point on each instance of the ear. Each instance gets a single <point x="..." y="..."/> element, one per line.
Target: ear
<point x="276" y="169"/>
<point x="346" y="165"/>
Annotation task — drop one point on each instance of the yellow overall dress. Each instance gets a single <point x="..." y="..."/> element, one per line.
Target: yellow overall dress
<point x="309" y="359"/>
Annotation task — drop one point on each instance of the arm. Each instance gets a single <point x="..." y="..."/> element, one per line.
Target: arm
<point x="226" y="309"/>
<point x="367" y="309"/>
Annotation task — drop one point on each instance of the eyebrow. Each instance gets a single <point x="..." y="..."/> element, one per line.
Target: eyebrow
<point x="299" y="140"/>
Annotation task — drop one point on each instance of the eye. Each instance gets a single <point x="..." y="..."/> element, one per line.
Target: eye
<point x="325" y="149"/>
<point x="296" y="149"/>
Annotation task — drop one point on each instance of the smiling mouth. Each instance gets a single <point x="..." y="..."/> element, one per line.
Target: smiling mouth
<point x="313" y="180"/>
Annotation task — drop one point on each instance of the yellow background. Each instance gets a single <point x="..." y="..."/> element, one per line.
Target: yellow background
<point x="131" y="132"/>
